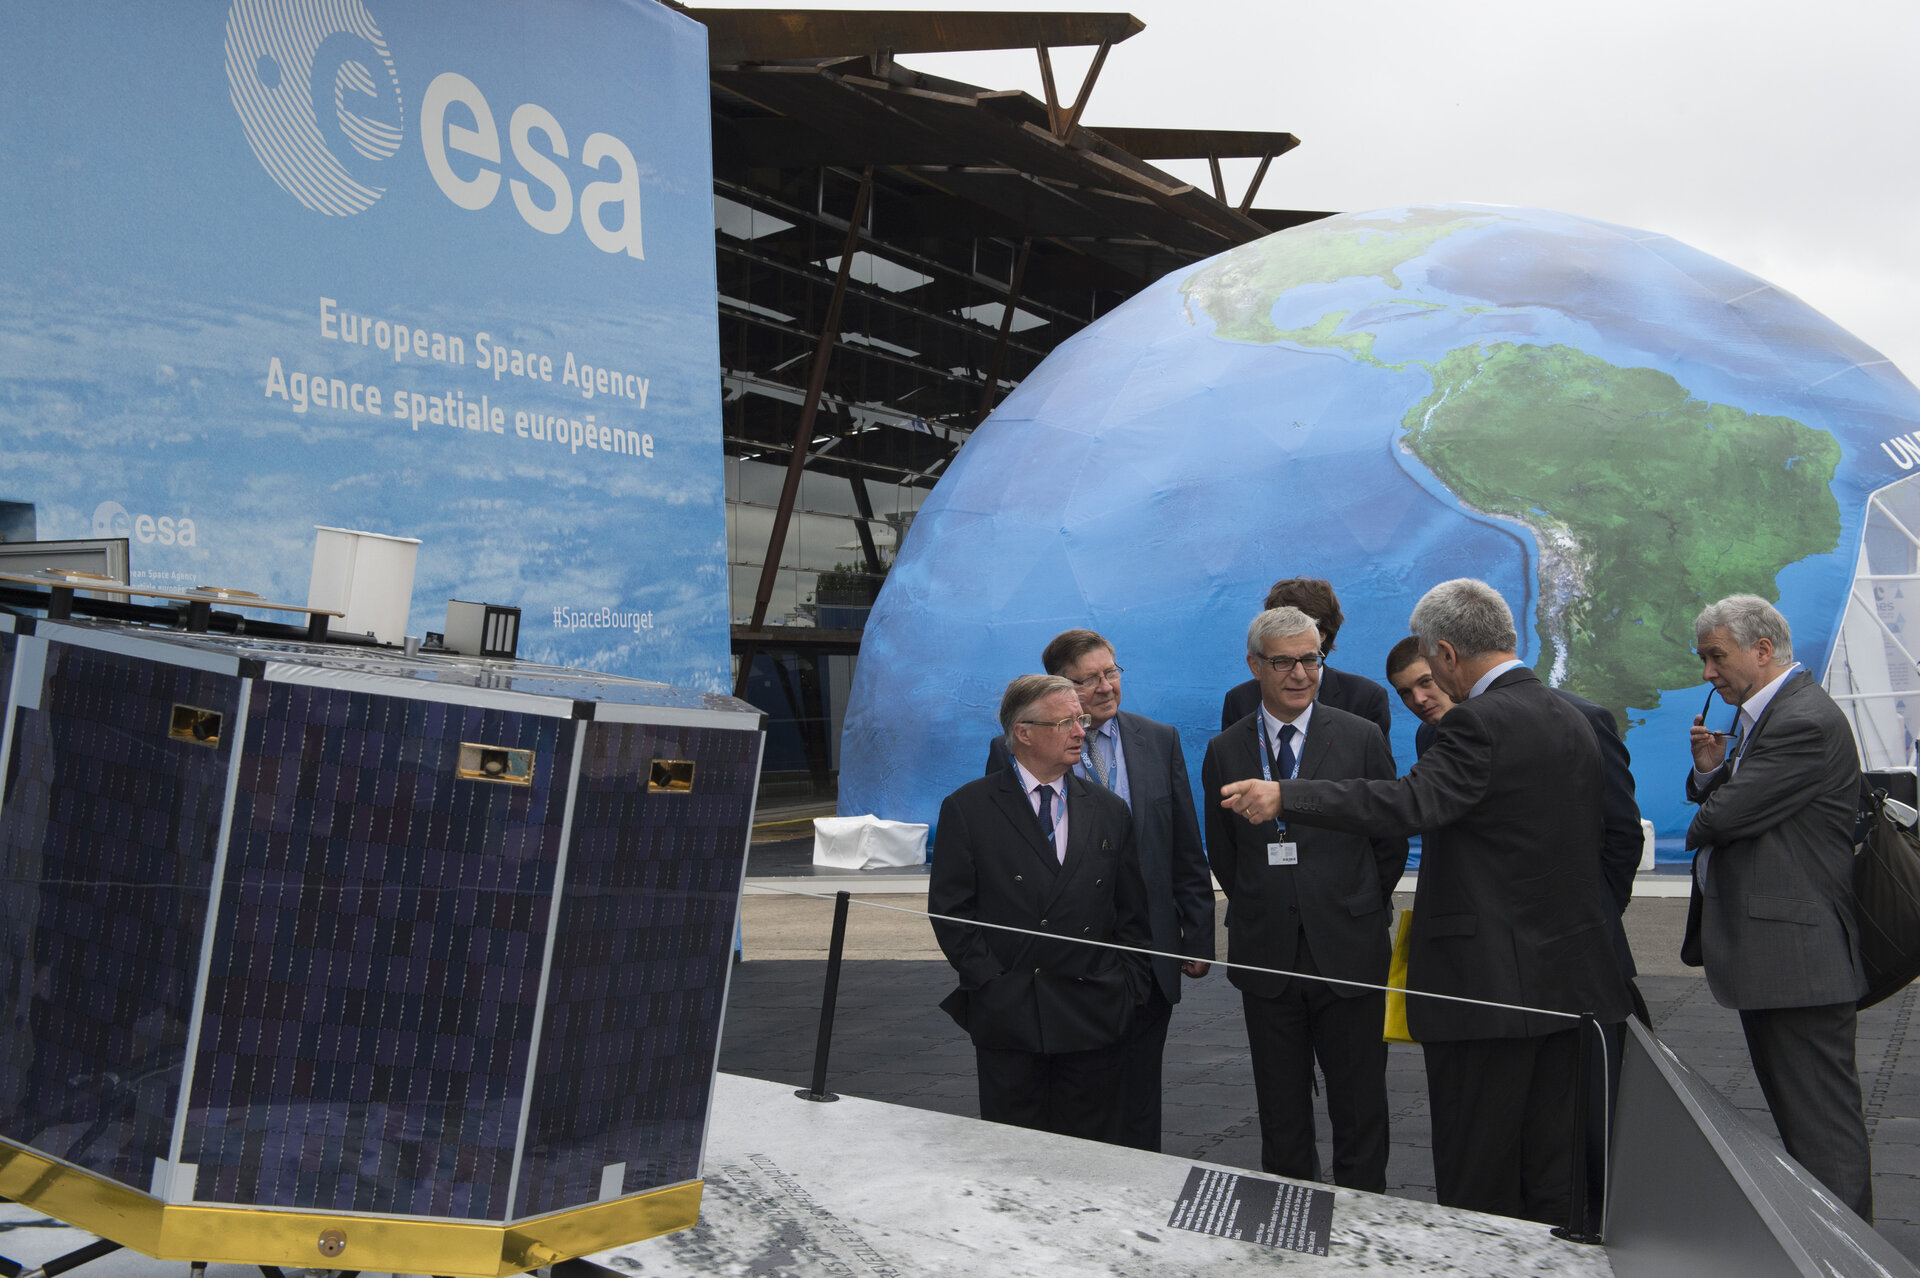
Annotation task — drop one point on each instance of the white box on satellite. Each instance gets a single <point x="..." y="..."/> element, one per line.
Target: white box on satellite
<point x="367" y="576"/>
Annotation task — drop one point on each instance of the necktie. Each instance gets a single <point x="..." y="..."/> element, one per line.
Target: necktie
<point x="1738" y="750"/>
<point x="1288" y="765"/>
<point x="1097" y="761"/>
<point x="1046" y="811"/>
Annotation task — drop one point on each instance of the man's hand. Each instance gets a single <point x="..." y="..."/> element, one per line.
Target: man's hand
<point x="1195" y="968"/>
<point x="1709" y="748"/>
<point x="1257" y="801"/>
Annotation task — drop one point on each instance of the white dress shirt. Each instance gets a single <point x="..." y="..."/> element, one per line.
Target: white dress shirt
<point x="1486" y="680"/>
<point x="1031" y="784"/>
<point x="1271" y="726"/>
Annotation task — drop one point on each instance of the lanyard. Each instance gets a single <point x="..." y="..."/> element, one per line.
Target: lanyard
<point x="1268" y="765"/>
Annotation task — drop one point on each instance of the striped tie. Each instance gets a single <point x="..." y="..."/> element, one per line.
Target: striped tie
<point x="1095" y="749"/>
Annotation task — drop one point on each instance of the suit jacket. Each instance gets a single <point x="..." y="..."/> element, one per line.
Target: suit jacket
<point x="1774" y="921"/>
<point x="1622" y="841"/>
<point x="1166" y="837"/>
<point x="1356" y="694"/>
<point x="1510" y="907"/>
<point x="991" y="862"/>
<point x="1339" y="896"/>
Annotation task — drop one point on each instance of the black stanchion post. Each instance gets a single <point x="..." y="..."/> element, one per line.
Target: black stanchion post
<point x="73" y="1259"/>
<point x="819" y="1092"/>
<point x="1579" y="1228"/>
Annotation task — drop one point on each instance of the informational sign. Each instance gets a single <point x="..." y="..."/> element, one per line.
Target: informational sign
<point x="1252" y="1209"/>
<point x="432" y="271"/>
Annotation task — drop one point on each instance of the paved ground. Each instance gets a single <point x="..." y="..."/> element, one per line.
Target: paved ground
<point x="891" y="1043"/>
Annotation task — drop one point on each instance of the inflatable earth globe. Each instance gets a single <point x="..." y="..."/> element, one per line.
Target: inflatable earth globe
<point x="1610" y="427"/>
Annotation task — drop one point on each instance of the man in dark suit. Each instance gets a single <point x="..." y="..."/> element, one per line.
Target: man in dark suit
<point x="1046" y="1017"/>
<point x="1350" y="692"/>
<point x="1772" y="915"/>
<point x="1141" y="761"/>
<point x="1622" y="840"/>
<point x="1311" y="901"/>
<point x="1510" y="906"/>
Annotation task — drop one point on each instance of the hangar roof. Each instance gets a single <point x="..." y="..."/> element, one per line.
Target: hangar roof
<point x="980" y="199"/>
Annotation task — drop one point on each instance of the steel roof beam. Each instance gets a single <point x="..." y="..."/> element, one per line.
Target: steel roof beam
<point x="791" y="35"/>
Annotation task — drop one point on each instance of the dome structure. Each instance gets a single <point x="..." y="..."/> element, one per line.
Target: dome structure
<point x="1609" y="426"/>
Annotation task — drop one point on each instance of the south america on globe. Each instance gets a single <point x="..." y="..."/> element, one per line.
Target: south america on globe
<point x="1610" y="427"/>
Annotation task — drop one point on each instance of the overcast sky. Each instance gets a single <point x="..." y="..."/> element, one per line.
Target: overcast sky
<point x="1775" y="136"/>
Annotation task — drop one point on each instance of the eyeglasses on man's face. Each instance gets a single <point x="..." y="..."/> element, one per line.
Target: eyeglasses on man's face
<point x="1084" y="720"/>
<point x="1110" y="675"/>
<point x="1285" y="665"/>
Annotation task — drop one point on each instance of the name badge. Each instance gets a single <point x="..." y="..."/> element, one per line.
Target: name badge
<point x="1283" y="854"/>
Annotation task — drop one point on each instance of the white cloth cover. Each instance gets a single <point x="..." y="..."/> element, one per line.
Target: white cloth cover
<point x="867" y="842"/>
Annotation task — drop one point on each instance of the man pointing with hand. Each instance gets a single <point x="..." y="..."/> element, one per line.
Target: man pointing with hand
<point x="1509" y="908"/>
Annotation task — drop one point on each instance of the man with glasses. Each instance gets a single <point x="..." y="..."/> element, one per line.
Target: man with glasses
<point x="1141" y="761"/>
<point x="1036" y="848"/>
<point x="1311" y="901"/>
<point x="1340" y="689"/>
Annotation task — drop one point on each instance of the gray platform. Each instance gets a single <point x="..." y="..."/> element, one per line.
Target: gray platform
<point x="858" y="1187"/>
<point x="802" y="1190"/>
<point x="892" y="1043"/>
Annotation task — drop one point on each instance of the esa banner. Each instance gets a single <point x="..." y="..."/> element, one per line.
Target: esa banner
<point x="441" y="271"/>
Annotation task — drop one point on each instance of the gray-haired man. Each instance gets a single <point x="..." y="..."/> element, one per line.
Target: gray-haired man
<point x="1772" y="911"/>
<point x="1035" y="847"/>
<point x="1510" y="907"/>
<point x="1311" y="901"/>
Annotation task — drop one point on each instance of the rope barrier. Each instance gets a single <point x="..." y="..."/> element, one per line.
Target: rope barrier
<point x="1183" y="958"/>
<point x="1582" y="1233"/>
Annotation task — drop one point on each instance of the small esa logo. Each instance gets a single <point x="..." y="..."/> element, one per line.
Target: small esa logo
<point x="110" y="519"/>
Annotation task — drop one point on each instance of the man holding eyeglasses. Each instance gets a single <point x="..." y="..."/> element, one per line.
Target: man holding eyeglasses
<point x="1772" y="914"/>
<point x="1312" y="901"/>
<point x="1141" y="761"/>
<point x="1036" y="848"/>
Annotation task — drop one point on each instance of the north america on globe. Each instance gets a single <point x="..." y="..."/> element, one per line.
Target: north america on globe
<point x="1617" y="472"/>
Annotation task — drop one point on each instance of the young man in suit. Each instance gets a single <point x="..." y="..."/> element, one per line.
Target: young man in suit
<point x="1339" y="689"/>
<point x="1141" y="761"/>
<point x="1310" y="901"/>
<point x="1412" y="681"/>
<point x="1771" y="915"/>
<point x="1037" y="848"/>
<point x="1509" y="909"/>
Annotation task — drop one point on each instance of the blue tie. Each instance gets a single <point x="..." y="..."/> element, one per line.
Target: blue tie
<point x="1288" y="765"/>
<point x="1046" y="811"/>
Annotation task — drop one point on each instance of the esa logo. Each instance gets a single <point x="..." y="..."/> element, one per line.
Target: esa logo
<point x="317" y="93"/>
<point x="110" y="519"/>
